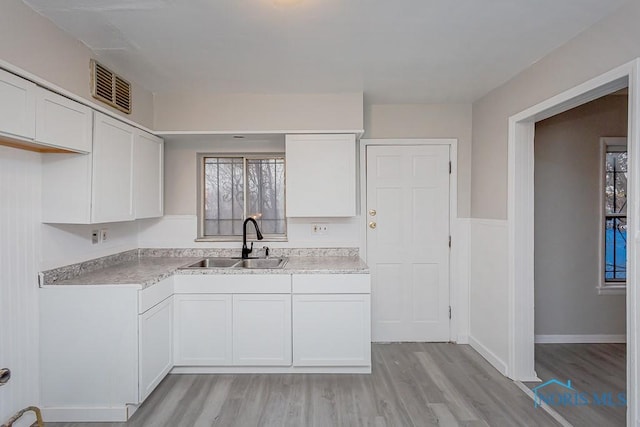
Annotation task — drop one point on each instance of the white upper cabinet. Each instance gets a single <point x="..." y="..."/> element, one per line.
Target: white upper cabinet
<point x="95" y="187"/>
<point x="148" y="177"/>
<point x="112" y="191"/>
<point x="17" y="106"/>
<point x="63" y="123"/>
<point x="321" y="175"/>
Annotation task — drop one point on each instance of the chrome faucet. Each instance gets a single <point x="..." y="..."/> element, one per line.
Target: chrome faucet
<point x="245" y="250"/>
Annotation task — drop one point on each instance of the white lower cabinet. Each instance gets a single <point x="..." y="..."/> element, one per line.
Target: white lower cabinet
<point x="155" y="341"/>
<point x="331" y="330"/>
<point x="262" y="330"/>
<point x="331" y="320"/>
<point x="103" y="349"/>
<point x="203" y="330"/>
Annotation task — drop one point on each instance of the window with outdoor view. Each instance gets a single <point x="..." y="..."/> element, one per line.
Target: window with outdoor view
<point x="235" y="187"/>
<point x="615" y="213"/>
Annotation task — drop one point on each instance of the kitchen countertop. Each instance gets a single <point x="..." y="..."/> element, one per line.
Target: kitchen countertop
<point x="146" y="271"/>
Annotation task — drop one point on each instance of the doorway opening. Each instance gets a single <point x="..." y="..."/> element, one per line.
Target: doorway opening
<point x="521" y="220"/>
<point x="580" y="208"/>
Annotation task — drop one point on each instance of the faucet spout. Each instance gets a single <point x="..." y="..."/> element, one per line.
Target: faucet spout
<point x="245" y="250"/>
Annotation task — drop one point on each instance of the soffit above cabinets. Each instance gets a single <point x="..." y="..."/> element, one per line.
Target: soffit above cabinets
<point x="233" y="139"/>
<point x="414" y="51"/>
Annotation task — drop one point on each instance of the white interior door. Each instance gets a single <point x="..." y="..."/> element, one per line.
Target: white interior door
<point x="408" y="241"/>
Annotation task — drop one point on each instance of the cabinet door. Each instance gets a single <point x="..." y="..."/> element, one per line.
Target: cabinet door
<point x="202" y="330"/>
<point x="148" y="178"/>
<point x="262" y="330"/>
<point x="62" y="122"/>
<point x="321" y="175"/>
<point x="112" y="187"/>
<point x="155" y="346"/>
<point x="17" y="106"/>
<point x="331" y="330"/>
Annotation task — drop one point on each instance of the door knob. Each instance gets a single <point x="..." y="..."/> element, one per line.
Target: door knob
<point x="5" y="376"/>
<point x="372" y="225"/>
<point x="372" y="212"/>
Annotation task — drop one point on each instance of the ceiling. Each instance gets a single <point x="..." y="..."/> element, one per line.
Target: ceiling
<point x="395" y="51"/>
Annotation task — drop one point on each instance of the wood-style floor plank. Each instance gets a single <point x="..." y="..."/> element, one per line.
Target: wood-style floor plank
<point x="411" y="385"/>
<point x="591" y="368"/>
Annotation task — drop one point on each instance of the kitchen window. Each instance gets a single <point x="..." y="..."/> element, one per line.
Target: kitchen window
<point x="614" y="217"/>
<point x="234" y="187"/>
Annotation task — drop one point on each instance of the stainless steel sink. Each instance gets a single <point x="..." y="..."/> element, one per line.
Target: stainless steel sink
<point x="263" y="263"/>
<point x="219" y="262"/>
<point x="214" y="263"/>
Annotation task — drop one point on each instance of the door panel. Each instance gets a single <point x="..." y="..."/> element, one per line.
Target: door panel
<point x="408" y="241"/>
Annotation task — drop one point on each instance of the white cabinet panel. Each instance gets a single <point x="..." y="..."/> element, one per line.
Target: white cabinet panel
<point x="112" y="191"/>
<point x="262" y="330"/>
<point x="63" y="123"/>
<point x="155" y="346"/>
<point x="88" y="346"/>
<point x="203" y="334"/>
<point x="331" y="330"/>
<point x="148" y="166"/>
<point x="17" y="106"/>
<point x="321" y="175"/>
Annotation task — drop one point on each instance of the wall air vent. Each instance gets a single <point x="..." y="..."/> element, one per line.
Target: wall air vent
<point x="110" y="88"/>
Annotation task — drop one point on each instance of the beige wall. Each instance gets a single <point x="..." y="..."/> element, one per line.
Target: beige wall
<point x="428" y="121"/>
<point x="604" y="46"/>
<point x="180" y="165"/>
<point x="567" y="221"/>
<point x="34" y="44"/>
<point x="258" y="112"/>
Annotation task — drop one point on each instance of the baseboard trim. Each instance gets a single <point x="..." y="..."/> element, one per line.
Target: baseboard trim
<point x="271" y="370"/>
<point x="463" y="339"/>
<point x="490" y="356"/>
<point x="87" y="414"/>
<point x="581" y="339"/>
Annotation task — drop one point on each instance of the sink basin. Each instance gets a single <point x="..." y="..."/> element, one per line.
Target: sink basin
<point x="214" y="263"/>
<point x="262" y="263"/>
<point x="238" y="263"/>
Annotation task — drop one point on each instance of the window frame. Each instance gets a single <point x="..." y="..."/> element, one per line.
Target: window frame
<point x="200" y="199"/>
<point x="607" y="287"/>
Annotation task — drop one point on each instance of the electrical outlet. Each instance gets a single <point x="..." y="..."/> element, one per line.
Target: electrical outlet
<point x="95" y="237"/>
<point x="103" y="235"/>
<point x="319" y="229"/>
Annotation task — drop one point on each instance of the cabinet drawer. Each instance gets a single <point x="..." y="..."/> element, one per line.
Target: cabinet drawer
<point x="331" y="284"/>
<point x="233" y="284"/>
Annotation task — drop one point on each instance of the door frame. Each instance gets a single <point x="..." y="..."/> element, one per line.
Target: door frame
<point x="521" y="221"/>
<point x="458" y="286"/>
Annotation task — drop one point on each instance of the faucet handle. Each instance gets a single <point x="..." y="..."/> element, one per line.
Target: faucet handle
<point x="266" y="251"/>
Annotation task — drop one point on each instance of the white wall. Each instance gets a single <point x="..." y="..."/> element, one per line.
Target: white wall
<point x="19" y="264"/>
<point x="567" y="221"/>
<point x="33" y="43"/>
<point x="428" y="121"/>
<point x="64" y="244"/>
<point x="488" y="325"/>
<point x="257" y="112"/>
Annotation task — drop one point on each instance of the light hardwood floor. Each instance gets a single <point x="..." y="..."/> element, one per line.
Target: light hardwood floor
<point x="411" y="385"/>
<point x="591" y="368"/>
